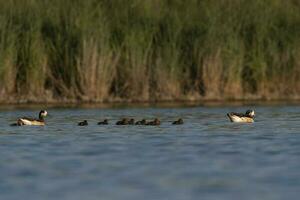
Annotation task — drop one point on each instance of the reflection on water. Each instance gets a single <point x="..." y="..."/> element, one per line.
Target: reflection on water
<point x="207" y="157"/>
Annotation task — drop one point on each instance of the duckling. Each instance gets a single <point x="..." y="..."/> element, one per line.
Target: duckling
<point x="142" y="122"/>
<point x="124" y="121"/>
<point x="178" y="122"/>
<point x="104" y="122"/>
<point x="31" y="121"/>
<point x="155" y="122"/>
<point x="83" y="123"/>
<point x="131" y="122"/>
<point x="248" y="117"/>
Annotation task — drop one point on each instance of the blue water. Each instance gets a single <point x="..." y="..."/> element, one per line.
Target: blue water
<point x="206" y="158"/>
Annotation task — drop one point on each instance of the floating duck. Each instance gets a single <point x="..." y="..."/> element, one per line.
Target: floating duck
<point x="124" y="121"/>
<point x="142" y="122"/>
<point x="155" y="122"/>
<point x="104" y="122"/>
<point x="178" y="122"/>
<point x="83" y="123"/>
<point x="131" y="122"/>
<point x="32" y="121"/>
<point x="248" y="117"/>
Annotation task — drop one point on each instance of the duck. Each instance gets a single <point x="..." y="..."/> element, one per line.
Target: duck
<point x="32" y="121"/>
<point x="83" y="123"/>
<point x="131" y="122"/>
<point x="248" y="117"/>
<point x="142" y="122"/>
<point x="124" y="121"/>
<point x="178" y="122"/>
<point x="155" y="122"/>
<point x="104" y="122"/>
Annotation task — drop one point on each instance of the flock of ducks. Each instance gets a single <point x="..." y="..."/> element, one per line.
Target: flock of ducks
<point x="126" y="121"/>
<point x="247" y="117"/>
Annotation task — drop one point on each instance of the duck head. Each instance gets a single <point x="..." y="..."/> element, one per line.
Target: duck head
<point x="131" y="121"/>
<point x="156" y="121"/>
<point x="250" y="113"/>
<point x="42" y="114"/>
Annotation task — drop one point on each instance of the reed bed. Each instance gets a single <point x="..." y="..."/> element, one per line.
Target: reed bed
<point x="151" y="50"/>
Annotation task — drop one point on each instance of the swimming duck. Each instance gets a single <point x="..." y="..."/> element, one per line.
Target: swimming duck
<point x="32" y="121"/>
<point x="248" y="117"/>
<point x="178" y="122"/>
<point x="142" y="122"/>
<point x="124" y="121"/>
<point x="155" y="122"/>
<point x="83" y="123"/>
<point x="131" y="122"/>
<point x="104" y="122"/>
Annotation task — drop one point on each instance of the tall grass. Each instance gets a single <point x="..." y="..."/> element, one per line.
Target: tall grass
<point x="115" y="50"/>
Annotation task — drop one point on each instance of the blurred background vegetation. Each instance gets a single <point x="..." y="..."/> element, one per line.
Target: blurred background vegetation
<point x="149" y="50"/>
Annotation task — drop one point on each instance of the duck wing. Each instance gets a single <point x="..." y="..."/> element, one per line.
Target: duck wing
<point x="28" y="118"/>
<point x="32" y="119"/>
<point x="237" y="114"/>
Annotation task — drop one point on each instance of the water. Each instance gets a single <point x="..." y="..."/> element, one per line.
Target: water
<point x="206" y="158"/>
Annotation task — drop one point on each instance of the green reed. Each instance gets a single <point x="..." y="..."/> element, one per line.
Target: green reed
<point x="149" y="50"/>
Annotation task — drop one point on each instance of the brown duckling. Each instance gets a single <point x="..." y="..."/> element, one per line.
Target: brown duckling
<point x="142" y="122"/>
<point x="104" y="122"/>
<point x="178" y="122"/>
<point x="131" y="122"/>
<point x="155" y="122"/>
<point x="248" y="117"/>
<point x="83" y="123"/>
<point x="32" y="121"/>
<point x="124" y="121"/>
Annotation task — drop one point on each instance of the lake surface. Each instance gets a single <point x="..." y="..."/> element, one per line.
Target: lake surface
<point x="206" y="158"/>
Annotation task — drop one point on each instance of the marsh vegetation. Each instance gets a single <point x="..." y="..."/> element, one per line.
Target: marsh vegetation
<point x="154" y="50"/>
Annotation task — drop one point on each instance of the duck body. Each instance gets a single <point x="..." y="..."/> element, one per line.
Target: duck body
<point x="155" y="122"/>
<point x="104" y="122"/>
<point x="83" y="123"/>
<point x="124" y="121"/>
<point x="131" y="122"/>
<point x="25" y="121"/>
<point x="248" y="117"/>
<point x="142" y="122"/>
<point x="30" y="122"/>
<point x="178" y="122"/>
